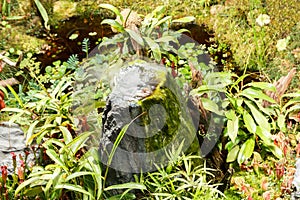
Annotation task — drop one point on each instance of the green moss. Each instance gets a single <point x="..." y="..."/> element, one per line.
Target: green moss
<point x="169" y="104"/>
<point x="165" y="98"/>
<point x="16" y="37"/>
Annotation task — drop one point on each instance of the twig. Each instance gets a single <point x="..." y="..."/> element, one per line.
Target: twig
<point x="8" y="61"/>
<point x="10" y="81"/>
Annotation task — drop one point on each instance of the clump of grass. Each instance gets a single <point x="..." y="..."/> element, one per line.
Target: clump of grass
<point x="253" y="46"/>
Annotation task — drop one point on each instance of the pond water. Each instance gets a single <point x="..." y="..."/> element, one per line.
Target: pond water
<point x="65" y="39"/>
<point x="61" y="44"/>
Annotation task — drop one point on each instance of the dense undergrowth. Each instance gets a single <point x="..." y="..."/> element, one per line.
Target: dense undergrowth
<point x="260" y="136"/>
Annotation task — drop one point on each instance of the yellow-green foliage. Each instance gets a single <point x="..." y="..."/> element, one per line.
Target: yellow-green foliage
<point x="253" y="46"/>
<point x="17" y="38"/>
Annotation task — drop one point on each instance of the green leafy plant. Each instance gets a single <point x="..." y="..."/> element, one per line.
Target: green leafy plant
<point x="254" y="117"/>
<point x="184" y="178"/>
<point x="86" y="46"/>
<point x="68" y="171"/>
<point x="153" y="37"/>
<point x="73" y="62"/>
<point x="249" y="124"/>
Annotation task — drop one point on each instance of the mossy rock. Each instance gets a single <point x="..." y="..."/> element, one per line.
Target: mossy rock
<point x="147" y="97"/>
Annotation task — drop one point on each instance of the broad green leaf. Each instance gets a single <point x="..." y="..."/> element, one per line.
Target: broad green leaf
<point x="40" y="96"/>
<point x="46" y="177"/>
<point x="15" y="18"/>
<point x="183" y="30"/>
<point x="184" y="19"/>
<point x="229" y="145"/>
<point x="66" y="134"/>
<point x="75" y="188"/>
<point x="78" y="174"/>
<point x="246" y="150"/>
<point x="275" y="150"/>
<point x="240" y="78"/>
<point x="239" y="102"/>
<point x="233" y="127"/>
<point x="262" y="86"/>
<point x="135" y="36"/>
<point x="230" y="114"/>
<point x="252" y="93"/>
<point x="78" y="142"/>
<point x="281" y="122"/>
<point x="154" y="48"/>
<point x="25" y="183"/>
<point x="43" y="13"/>
<point x="58" y="119"/>
<point x="114" y="24"/>
<point x="166" y="39"/>
<point x="260" y="119"/>
<point x="207" y="88"/>
<point x="264" y="135"/>
<point x="54" y="178"/>
<point x="163" y="20"/>
<point x="49" y="143"/>
<point x="113" y="9"/>
<point x="73" y="36"/>
<point x="51" y="166"/>
<point x="215" y="78"/>
<point x="268" y="110"/>
<point x="211" y="106"/>
<point x="130" y="185"/>
<point x="233" y="153"/>
<point x="159" y="10"/>
<point x="249" y="122"/>
<point x="39" y="173"/>
<point x="293" y="95"/>
<point x="40" y="133"/>
<point x="30" y="130"/>
<point x="55" y="157"/>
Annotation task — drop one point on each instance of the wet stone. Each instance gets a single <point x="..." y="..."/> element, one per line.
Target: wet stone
<point x="12" y="141"/>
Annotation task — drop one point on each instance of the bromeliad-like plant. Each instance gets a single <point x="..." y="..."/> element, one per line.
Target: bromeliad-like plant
<point x="152" y="36"/>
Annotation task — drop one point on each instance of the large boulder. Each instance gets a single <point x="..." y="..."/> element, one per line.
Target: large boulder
<point x="145" y="97"/>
